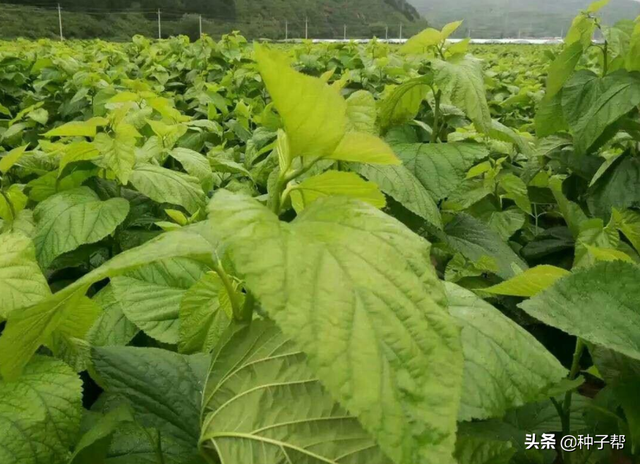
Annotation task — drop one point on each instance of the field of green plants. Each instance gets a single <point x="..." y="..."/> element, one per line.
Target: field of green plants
<point x="236" y="253"/>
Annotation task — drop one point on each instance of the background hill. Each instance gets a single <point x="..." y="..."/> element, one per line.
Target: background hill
<point x="505" y="18"/>
<point x="120" y="19"/>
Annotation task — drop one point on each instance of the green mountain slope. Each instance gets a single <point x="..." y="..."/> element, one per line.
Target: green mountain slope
<point x="508" y="18"/>
<point x="119" y="19"/>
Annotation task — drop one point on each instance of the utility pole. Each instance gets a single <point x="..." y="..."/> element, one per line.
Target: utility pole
<point x="60" y="21"/>
<point x="386" y="32"/>
<point x="286" y="31"/>
<point x="200" y="23"/>
<point x="345" y="33"/>
<point x="400" y="31"/>
<point x="159" y="25"/>
<point x="306" y="28"/>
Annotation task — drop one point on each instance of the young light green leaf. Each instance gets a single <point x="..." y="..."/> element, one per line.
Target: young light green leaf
<point x="335" y="259"/>
<point x="86" y="128"/>
<point x="11" y="158"/>
<point x="335" y="183"/>
<point x="73" y="218"/>
<point x="597" y="304"/>
<point x="420" y="43"/>
<point x="264" y="404"/>
<point x="40" y="414"/>
<point x="77" y="151"/>
<point x="361" y="147"/>
<point x="119" y="151"/>
<point x="403" y="103"/>
<point x="530" y="282"/>
<point x="361" y="112"/>
<point x="314" y="114"/>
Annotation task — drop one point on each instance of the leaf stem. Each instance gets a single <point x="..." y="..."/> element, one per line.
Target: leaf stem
<point x="238" y="312"/>
<point x="436" y="117"/>
<point x="11" y="207"/>
<point x="277" y="197"/>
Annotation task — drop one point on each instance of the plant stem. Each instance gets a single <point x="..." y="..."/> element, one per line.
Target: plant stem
<point x="283" y="180"/>
<point x="436" y="118"/>
<point x="605" y="63"/>
<point x="231" y="291"/>
<point x="573" y="373"/>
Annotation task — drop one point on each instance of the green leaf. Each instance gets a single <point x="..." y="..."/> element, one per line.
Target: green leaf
<point x="77" y="151"/>
<point x="450" y="28"/>
<point x="150" y="296"/>
<point x="21" y="281"/>
<point x="597" y="6"/>
<point x="73" y="218"/>
<point x="40" y="414"/>
<point x="12" y="203"/>
<point x="263" y="404"/>
<point x="28" y="329"/>
<point x="91" y="447"/>
<point x="505" y="366"/>
<point x="549" y="118"/>
<point x="314" y="114"/>
<point x="462" y="81"/>
<point x="617" y="188"/>
<point x="440" y="167"/>
<point x="632" y="61"/>
<point x="590" y="104"/>
<point x="400" y="184"/>
<point x="572" y="213"/>
<point x="11" y="158"/>
<point x="119" y="151"/>
<point x="361" y="270"/>
<point x="475" y="240"/>
<point x="195" y="164"/>
<point x="361" y="112"/>
<point x="204" y="316"/>
<point x="335" y="183"/>
<point x="581" y="31"/>
<point x="593" y="233"/>
<point x="530" y="282"/>
<point x="421" y="42"/>
<point x="471" y="449"/>
<point x="597" y="304"/>
<point x="403" y="103"/>
<point x="628" y="222"/>
<point x="112" y="327"/>
<point x="516" y="190"/>
<point x="167" y="186"/>
<point x="622" y="375"/>
<point x="163" y="388"/>
<point x="562" y="68"/>
<point x="78" y="128"/>
<point x="364" y="148"/>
